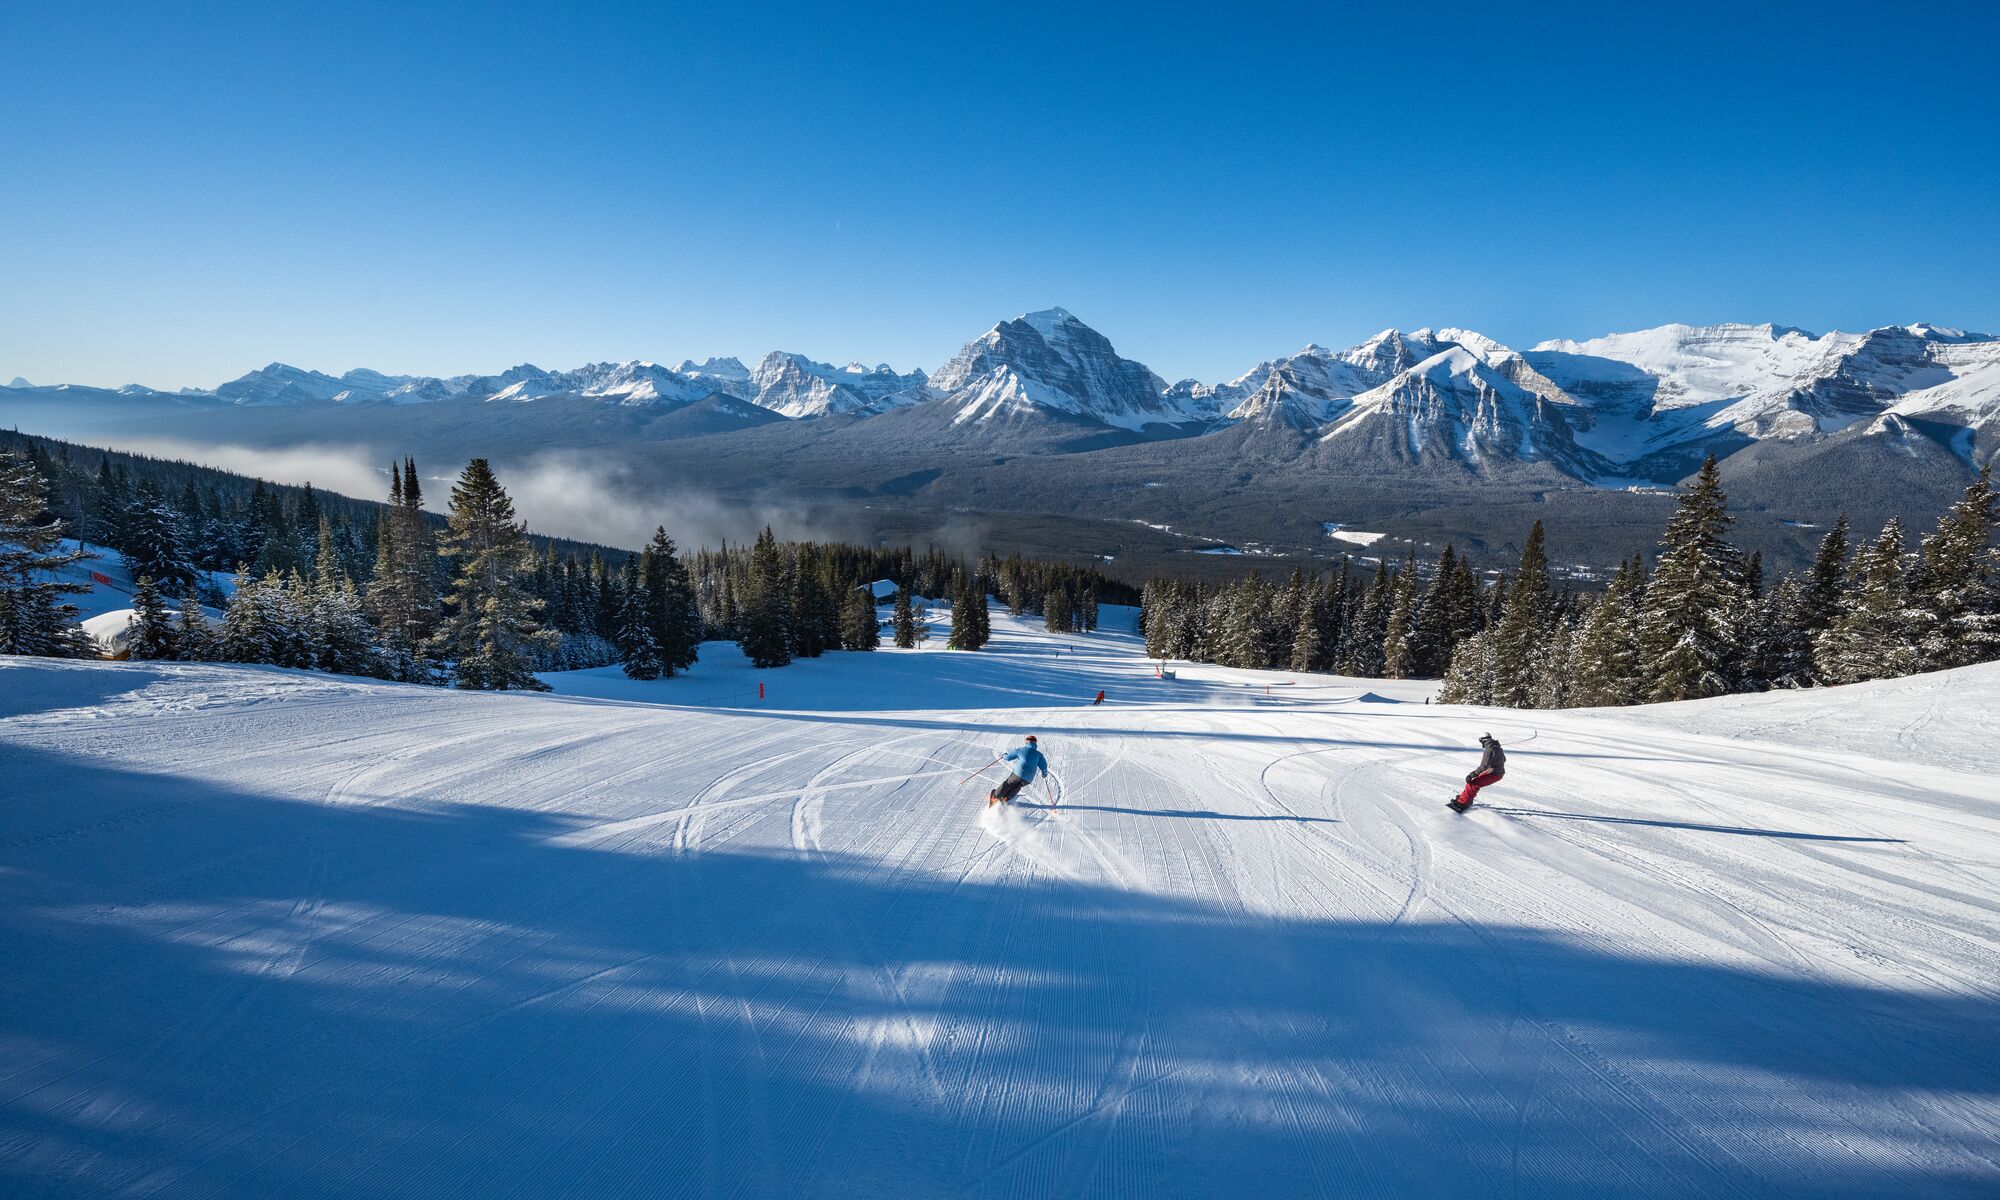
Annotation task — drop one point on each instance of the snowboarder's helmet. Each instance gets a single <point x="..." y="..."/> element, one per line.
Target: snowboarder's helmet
<point x="1031" y="737"/>
<point x="1485" y="738"/>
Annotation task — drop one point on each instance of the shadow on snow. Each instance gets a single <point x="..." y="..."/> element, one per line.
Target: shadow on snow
<point x="205" y="992"/>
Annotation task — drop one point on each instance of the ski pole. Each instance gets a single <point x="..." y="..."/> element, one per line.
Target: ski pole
<point x="977" y="774"/>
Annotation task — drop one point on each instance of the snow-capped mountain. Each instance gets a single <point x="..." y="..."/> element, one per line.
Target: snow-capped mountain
<point x="1649" y="392"/>
<point x="1623" y="408"/>
<point x="729" y="375"/>
<point x="1473" y="402"/>
<point x="796" y="386"/>
<point x="1050" y="361"/>
<point x="280" y="383"/>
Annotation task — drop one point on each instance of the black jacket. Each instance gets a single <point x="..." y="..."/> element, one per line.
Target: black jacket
<point x="1494" y="759"/>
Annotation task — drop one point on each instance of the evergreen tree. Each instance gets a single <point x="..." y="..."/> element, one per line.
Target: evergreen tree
<point x="1306" y="644"/>
<point x="151" y="634"/>
<point x="1873" y="636"/>
<point x="673" y="608"/>
<point x="35" y="617"/>
<point x="1469" y="679"/>
<point x="964" y="633"/>
<point x="981" y="616"/>
<point x="403" y="595"/>
<point x="1399" y="646"/>
<point x="1691" y="630"/>
<point x="638" y="648"/>
<point x="1959" y="586"/>
<point x="859" y="629"/>
<point x="1521" y="636"/>
<point x="1057" y="615"/>
<point x="1430" y="636"/>
<point x="1555" y="667"/>
<point x="1370" y="627"/>
<point x="905" y="622"/>
<point x="198" y="642"/>
<point x="767" y="609"/>
<point x="494" y="631"/>
<point x="247" y="633"/>
<point x="150" y="540"/>
<point x="1606" y="667"/>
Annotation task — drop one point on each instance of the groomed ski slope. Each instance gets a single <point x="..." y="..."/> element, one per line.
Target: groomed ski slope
<point x="266" y="933"/>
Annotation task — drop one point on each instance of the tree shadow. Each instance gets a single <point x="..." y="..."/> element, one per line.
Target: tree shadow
<point x="214" y="992"/>
<point x="1695" y="826"/>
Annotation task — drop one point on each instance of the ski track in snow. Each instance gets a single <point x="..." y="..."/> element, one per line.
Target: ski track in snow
<point x="270" y="933"/>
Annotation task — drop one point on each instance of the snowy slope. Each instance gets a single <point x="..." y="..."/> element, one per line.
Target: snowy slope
<point x="270" y="933"/>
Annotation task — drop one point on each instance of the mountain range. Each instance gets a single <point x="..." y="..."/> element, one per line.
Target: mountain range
<point x="1803" y="421"/>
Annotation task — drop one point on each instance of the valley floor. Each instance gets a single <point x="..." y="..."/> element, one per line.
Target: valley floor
<point x="267" y="933"/>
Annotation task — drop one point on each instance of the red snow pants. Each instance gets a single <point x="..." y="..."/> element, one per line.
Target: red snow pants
<point x="1472" y="785"/>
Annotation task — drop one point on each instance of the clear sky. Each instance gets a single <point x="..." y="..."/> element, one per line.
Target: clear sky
<point x="194" y="189"/>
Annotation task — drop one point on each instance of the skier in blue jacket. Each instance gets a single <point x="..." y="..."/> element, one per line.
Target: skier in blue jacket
<point x="1025" y="762"/>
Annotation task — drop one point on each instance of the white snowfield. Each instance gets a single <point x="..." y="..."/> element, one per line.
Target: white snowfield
<point x="267" y="933"/>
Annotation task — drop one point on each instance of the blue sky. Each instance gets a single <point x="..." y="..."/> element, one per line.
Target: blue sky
<point x="192" y="190"/>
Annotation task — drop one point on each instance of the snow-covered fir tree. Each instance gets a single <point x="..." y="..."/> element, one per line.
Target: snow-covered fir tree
<point x="35" y="614"/>
<point x="1958" y="587"/>
<point x="198" y="641"/>
<point x="1877" y="632"/>
<point x="1469" y="680"/>
<point x="1690" y="632"/>
<point x="1605" y="670"/>
<point x="151" y="634"/>
<point x="1522" y="635"/>
<point x="638" y="648"/>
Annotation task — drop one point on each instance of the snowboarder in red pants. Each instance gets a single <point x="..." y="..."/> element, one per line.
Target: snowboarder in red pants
<point x="1492" y="767"/>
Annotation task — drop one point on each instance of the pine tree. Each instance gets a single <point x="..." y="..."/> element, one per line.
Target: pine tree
<point x="247" y="633"/>
<point x="767" y="609"/>
<point x="638" y="648"/>
<point x="1305" y="652"/>
<point x="1606" y="667"/>
<point x="1057" y="614"/>
<point x="1872" y="637"/>
<point x="150" y="541"/>
<point x="151" y="634"/>
<point x="1430" y="636"/>
<point x="494" y="632"/>
<point x="403" y="595"/>
<point x="1690" y="632"/>
<point x="1469" y="679"/>
<point x="1958" y="588"/>
<point x="859" y="629"/>
<point x="1555" y="668"/>
<point x="1365" y="635"/>
<point x="964" y="634"/>
<point x="904" y="620"/>
<point x="35" y="617"/>
<point x="1521" y="636"/>
<point x="1399" y="647"/>
<point x="673" y="608"/>
<point x="198" y="642"/>
<point x="982" y="616"/>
